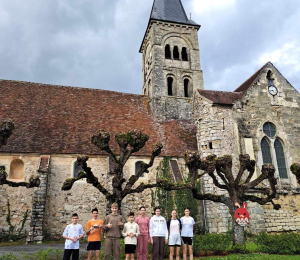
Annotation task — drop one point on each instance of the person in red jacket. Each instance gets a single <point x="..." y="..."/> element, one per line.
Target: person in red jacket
<point x="142" y="240"/>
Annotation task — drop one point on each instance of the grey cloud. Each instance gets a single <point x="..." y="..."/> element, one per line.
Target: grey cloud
<point x="95" y="43"/>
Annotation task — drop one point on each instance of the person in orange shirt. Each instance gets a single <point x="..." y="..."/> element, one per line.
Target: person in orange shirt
<point x="93" y="231"/>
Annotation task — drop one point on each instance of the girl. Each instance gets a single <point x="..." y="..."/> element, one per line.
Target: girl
<point x="174" y="228"/>
<point x="187" y="233"/>
<point x="143" y="238"/>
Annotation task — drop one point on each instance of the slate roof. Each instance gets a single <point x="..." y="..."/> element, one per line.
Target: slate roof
<point x="53" y="119"/>
<point x="221" y="97"/>
<point x="170" y="10"/>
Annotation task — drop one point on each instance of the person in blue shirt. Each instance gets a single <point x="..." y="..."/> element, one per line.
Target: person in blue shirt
<point x="73" y="232"/>
<point x="187" y="234"/>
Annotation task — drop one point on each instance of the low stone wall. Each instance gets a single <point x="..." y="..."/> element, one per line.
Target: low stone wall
<point x="281" y="220"/>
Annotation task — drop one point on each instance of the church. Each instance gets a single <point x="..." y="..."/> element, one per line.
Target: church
<point x="54" y="125"/>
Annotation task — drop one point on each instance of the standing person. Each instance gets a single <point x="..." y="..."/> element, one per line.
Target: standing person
<point x="187" y="233"/>
<point x="158" y="234"/>
<point x="142" y="240"/>
<point x="174" y="228"/>
<point x="113" y="224"/>
<point x="73" y="232"/>
<point x="131" y="231"/>
<point x="93" y="231"/>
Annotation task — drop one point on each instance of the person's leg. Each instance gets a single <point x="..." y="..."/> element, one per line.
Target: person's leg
<point x="177" y="252"/>
<point x="155" y="248"/>
<point x="132" y="256"/>
<point x="107" y="248"/>
<point x="67" y="254"/>
<point x="97" y="254"/>
<point x="90" y="254"/>
<point x="171" y="252"/>
<point x="161" y="248"/>
<point x="116" y="249"/>
<point x="145" y="247"/>
<point x="127" y="256"/>
<point x="139" y="249"/>
<point x="184" y="249"/>
<point x="191" y="252"/>
<point x="75" y="254"/>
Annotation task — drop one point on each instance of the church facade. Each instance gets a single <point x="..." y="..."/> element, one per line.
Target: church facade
<point x="54" y="124"/>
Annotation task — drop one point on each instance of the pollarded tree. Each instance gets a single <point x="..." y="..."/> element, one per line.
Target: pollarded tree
<point x="6" y="130"/>
<point x="129" y="143"/>
<point x="240" y="187"/>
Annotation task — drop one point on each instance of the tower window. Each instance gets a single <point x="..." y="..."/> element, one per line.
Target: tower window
<point x="170" y="86"/>
<point x="186" y="87"/>
<point x="176" y="53"/>
<point x="16" y="169"/>
<point x="76" y="170"/>
<point x="167" y="52"/>
<point x="184" y="54"/>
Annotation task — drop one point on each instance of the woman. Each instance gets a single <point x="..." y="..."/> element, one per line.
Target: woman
<point x="142" y="239"/>
<point x="174" y="228"/>
<point x="187" y="233"/>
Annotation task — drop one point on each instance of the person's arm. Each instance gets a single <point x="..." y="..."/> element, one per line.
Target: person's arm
<point x="88" y="228"/>
<point x="81" y="233"/>
<point x="106" y="222"/>
<point x="150" y="228"/>
<point x="124" y="233"/>
<point x="66" y="233"/>
<point x="137" y="230"/>
<point x="121" y="223"/>
<point x="167" y="232"/>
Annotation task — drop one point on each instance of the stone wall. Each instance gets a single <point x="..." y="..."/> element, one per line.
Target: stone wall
<point x="20" y="198"/>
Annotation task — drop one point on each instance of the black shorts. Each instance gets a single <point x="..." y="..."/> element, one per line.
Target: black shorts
<point x="92" y="246"/>
<point x="130" y="249"/>
<point x="187" y="240"/>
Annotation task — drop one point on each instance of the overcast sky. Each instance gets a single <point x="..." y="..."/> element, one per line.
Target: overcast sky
<point x="95" y="43"/>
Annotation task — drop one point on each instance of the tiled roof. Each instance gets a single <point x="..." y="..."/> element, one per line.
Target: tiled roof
<point x="170" y="10"/>
<point x="221" y="97"/>
<point x="244" y="87"/>
<point x="60" y="120"/>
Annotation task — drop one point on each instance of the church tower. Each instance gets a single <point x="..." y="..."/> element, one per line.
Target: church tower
<point x="171" y="61"/>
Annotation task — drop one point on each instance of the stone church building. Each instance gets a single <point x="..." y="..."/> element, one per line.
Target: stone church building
<point x="54" y="124"/>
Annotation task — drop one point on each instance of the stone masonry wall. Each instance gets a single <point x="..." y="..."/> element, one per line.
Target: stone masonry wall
<point x="215" y="135"/>
<point x="20" y="198"/>
<point x="283" y="110"/>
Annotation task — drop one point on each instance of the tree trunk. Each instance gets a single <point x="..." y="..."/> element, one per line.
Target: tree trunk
<point x="238" y="231"/>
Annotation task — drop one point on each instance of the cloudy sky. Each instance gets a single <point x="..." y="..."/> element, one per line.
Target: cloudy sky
<point x="95" y="43"/>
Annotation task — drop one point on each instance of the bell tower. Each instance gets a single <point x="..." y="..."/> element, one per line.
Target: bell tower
<point x="171" y="61"/>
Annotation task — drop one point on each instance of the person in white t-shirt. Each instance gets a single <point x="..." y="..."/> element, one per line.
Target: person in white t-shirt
<point x="174" y="228"/>
<point x="187" y="234"/>
<point x="73" y="232"/>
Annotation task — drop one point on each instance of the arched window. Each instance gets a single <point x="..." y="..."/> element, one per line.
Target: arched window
<point x="76" y="170"/>
<point x="266" y="152"/>
<point x="270" y="78"/>
<point x="16" y="169"/>
<point x="167" y="52"/>
<point x="186" y="87"/>
<point x="138" y="167"/>
<point x="269" y="129"/>
<point x="184" y="54"/>
<point x="280" y="157"/>
<point x="170" y="86"/>
<point x="175" y="53"/>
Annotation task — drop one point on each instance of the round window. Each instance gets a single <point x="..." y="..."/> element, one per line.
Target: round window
<point x="269" y="129"/>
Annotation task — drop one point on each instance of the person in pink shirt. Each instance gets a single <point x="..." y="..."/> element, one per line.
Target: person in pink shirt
<point x="142" y="240"/>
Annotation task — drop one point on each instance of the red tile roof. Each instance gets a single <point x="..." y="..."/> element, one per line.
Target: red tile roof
<point x="244" y="87"/>
<point x="60" y="120"/>
<point x="221" y="97"/>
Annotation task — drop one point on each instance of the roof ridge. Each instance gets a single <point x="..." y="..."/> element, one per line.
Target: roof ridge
<point x="71" y="87"/>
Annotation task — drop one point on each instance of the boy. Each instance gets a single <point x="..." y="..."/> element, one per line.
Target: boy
<point x="93" y="231"/>
<point x="113" y="224"/>
<point x="72" y="234"/>
<point x="130" y="232"/>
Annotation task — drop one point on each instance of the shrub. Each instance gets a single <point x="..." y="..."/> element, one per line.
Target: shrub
<point x="216" y="243"/>
<point x="238" y="249"/>
<point x="9" y="256"/>
<point x="285" y="243"/>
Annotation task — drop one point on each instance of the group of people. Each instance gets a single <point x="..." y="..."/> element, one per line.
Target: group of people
<point x="138" y="232"/>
